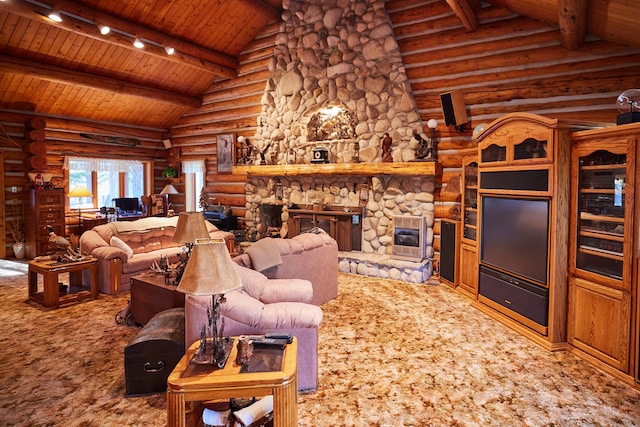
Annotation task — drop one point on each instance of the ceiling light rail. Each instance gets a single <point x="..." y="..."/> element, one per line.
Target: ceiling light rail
<point x="123" y="33"/>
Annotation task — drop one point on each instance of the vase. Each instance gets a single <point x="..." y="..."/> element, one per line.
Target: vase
<point x="19" y="250"/>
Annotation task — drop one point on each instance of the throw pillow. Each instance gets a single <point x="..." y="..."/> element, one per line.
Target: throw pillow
<point x="117" y="242"/>
<point x="264" y="254"/>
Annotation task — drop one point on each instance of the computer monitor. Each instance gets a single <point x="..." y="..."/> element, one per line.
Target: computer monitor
<point x="127" y="204"/>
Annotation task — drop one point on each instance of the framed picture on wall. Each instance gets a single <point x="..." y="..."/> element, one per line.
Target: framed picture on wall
<point x="226" y="151"/>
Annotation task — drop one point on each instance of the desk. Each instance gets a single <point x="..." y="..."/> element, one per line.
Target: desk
<point x="226" y="383"/>
<point x="50" y="296"/>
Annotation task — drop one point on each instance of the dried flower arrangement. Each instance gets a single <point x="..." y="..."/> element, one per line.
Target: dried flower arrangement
<point x="15" y="224"/>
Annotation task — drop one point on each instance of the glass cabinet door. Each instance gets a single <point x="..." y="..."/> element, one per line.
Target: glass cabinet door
<point x="470" y="203"/>
<point x="601" y="214"/>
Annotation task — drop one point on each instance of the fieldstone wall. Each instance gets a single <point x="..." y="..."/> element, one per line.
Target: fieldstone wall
<point x="336" y="53"/>
<point x="342" y="53"/>
<point x="388" y="196"/>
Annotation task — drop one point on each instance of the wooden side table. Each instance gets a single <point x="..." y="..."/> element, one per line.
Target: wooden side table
<point x="50" y="270"/>
<point x="151" y="295"/>
<point x="189" y="383"/>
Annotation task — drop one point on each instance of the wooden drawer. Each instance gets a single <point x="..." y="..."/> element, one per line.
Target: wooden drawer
<point x="49" y="198"/>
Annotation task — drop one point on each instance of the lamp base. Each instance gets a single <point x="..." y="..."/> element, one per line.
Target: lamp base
<point x="205" y="356"/>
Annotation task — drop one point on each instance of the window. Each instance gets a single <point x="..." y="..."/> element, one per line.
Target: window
<point x="106" y="179"/>
<point x="193" y="171"/>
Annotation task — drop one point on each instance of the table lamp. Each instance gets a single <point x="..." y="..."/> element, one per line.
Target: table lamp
<point x="190" y="227"/>
<point x="211" y="271"/>
<point x="80" y="191"/>
<point x="166" y="191"/>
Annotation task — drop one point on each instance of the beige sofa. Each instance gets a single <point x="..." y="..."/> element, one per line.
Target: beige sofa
<point x="126" y="248"/>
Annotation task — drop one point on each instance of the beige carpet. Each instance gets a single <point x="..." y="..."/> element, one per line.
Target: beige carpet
<point x="391" y="354"/>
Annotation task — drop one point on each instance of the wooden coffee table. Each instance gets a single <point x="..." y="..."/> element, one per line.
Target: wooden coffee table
<point x="190" y="383"/>
<point x="50" y="270"/>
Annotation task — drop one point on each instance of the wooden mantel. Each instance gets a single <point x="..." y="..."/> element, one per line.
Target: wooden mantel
<point x="364" y="169"/>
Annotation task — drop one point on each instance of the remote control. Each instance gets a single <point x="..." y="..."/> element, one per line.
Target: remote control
<point x="287" y="337"/>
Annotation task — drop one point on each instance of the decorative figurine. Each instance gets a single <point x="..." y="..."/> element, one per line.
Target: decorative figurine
<point x="386" y="148"/>
<point x="356" y="152"/>
<point x="263" y="152"/>
<point x="424" y="149"/>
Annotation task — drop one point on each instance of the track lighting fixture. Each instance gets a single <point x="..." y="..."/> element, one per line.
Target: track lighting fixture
<point x="55" y="16"/>
<point x="138" y="43"/>
<point x="104" y="30"/>
<point x="169" y="50"/>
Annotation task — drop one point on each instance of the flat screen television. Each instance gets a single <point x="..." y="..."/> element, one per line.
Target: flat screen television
<point x="515" y="236"/>
<point x="127" y="204"/>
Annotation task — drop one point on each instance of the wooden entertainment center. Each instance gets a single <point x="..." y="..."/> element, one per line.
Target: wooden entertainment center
<point x="584" y="177"/>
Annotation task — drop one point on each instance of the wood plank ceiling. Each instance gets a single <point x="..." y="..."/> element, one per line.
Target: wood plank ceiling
<point x="69" y="69"/>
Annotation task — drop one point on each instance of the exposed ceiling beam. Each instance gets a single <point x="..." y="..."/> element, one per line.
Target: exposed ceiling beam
<point x="272" y="13"/>
<point x="612" y="20"/>
<point x="572" y="18"/>
<point x="186" y="53"/>
<point x="465" y="11"/>
<point x="53" y="73"/>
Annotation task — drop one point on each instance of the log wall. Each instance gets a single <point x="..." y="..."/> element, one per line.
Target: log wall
<point x="510" y="63"/>
<point x="62" y="137"/>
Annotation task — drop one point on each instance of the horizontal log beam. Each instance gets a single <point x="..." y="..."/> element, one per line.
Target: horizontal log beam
<point x="53" y="73"/>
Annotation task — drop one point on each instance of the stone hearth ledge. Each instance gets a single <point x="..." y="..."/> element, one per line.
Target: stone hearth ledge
<point x="384" y="266"/>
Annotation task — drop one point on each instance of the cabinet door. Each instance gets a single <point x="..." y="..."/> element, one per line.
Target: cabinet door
<point x="603" y="202"/>
<point x="600" y="322"/>
<point x="469" y="269"/>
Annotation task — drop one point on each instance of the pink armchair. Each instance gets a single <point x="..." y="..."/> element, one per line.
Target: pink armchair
<point x="262" y="306"/>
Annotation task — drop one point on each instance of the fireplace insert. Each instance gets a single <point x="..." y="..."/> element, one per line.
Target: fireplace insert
<point x="408" y="237"/>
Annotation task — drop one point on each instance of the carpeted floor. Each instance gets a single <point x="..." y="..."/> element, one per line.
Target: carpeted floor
<point x="391" y="354"/>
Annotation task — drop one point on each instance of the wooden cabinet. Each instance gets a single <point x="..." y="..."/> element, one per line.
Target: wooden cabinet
<point x="523" y="206"/>
<point x="44" y="207"/>
<point x="344" y="227"/>
<point x="603" y="245"/>
<point x="468" y="277"/>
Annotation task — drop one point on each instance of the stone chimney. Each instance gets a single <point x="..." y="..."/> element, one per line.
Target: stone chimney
<point x="336" y="53"/>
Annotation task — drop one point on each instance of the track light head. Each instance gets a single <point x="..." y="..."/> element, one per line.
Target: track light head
<point x="169" y="50"/>
<point x="138" y="43"/>
<point x="104" y="30"/>
<point x="55" y="15"/>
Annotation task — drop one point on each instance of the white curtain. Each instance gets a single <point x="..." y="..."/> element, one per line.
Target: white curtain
<point x="193" y="166"/>
<point x="101" y="165"/>
<point x="193" y="172"/>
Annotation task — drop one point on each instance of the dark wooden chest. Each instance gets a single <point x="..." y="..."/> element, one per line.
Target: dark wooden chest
<point x="151" y="355"/>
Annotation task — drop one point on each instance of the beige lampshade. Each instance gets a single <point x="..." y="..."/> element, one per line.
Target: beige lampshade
<point x="169" y="189"/>
<point x="210" y="270"/>
<point x="190" y="227"/>
<point x="80" y="190"/>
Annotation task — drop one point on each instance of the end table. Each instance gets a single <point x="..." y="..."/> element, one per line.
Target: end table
<point x="188" y="383"/>
<point x="50" y="270"/>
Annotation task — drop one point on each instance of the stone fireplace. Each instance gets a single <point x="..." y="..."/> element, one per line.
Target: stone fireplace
<point x="342" y="56"/>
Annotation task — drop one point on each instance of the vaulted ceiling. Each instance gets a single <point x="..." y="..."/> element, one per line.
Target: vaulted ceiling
<point x="70" y="69"/>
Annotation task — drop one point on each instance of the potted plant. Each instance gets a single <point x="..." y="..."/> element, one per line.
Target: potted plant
<point x="169" y="172"/>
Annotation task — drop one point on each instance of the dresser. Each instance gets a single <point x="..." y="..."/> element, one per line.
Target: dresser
<point x="44" y="207"/>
